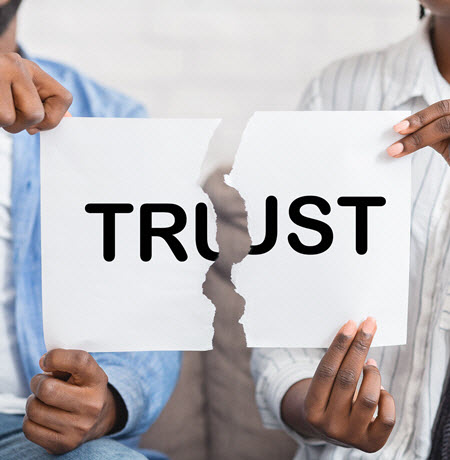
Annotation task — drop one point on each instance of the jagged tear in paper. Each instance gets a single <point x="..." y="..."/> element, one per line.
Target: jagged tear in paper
<point x="126" y="304"/>
<point x="298" y="300"/>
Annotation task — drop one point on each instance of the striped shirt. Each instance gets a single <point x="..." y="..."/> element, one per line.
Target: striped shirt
<point x="402" y="77"/>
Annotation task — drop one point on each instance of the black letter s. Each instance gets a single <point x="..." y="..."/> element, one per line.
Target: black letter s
<point x="314" y="224"/>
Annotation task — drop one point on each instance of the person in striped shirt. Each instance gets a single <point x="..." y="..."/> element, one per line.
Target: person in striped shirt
<point x="314" y="394"/>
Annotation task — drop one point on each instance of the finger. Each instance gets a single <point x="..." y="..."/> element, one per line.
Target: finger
<point x="7" y="109"/>
<point x="51" y="417"/>
<point x="346" y="381"/>
<point x="27" y="103"/>
<point x="368" y="396"/>
<point x="44" y="437"/>
<point x="55" y="98"/>
<point x="382" y="426"/>
<point x="430" y="135"/>
<point x="323" y="380"/>
<point x="56" y="393"/>
<point x="81" y="365"/>
<point x="423" y="118"/>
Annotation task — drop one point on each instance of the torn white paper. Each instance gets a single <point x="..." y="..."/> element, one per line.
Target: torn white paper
<point x="299" y="299"/>
<point x="126" y="304"/>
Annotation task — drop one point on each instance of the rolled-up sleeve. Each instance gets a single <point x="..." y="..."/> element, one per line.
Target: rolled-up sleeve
<point x="275" y="370"/>
<point x="145" y="381"/>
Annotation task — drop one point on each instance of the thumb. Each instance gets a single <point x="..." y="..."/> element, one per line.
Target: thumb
<point x="82" y="367"/>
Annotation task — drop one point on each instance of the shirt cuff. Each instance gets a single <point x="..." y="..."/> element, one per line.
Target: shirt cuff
<point x="278" y="386"/>
<point x="132" y="395"/>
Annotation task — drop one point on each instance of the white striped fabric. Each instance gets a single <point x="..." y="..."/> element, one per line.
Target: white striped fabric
<point x="403" y="77"/>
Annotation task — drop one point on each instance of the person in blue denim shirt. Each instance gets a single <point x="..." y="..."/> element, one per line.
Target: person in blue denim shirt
<point x="82" y="406"/>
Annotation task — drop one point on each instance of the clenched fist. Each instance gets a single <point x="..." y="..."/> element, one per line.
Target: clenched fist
<point x="71" y="402"/>
<point x="329" y="407"/>
<point x="29" y="98"/>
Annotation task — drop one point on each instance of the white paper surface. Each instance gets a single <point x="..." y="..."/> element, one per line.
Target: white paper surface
<point x="126" y="304"/>
<point x="296" y="300"/>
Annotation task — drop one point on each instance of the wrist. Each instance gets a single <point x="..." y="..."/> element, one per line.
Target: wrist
<point x="293" y="411"/>
<point x="113" y="416"/>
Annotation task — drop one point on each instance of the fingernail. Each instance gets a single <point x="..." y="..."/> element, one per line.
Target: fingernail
<point x="349" y="328"/>
<point x="33" y="131"/>
<point x="382" y="387"/>
<point x="369" y="325"/>
<point x="67" y="115"/>
<point x="371" y="362"/>
<point x="395" y="149"/>
<point x="42" y="360"/>
<point x="402" y="126"/>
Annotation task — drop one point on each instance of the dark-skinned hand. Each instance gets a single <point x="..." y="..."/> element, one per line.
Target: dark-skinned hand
<point x="29" y="98"/>
<point x="71" y="402"/>
<point x="428" y="128"/>
<point x="330" y="407"/>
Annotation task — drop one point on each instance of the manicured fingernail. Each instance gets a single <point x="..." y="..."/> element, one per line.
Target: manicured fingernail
<point x="369" y="325"/>
<point x="371" y="362"/>
<point x="349" y="328"/>
<point x="395" y="149"/>
<point x="402" y="126"/>
<point x="33" y="131"/>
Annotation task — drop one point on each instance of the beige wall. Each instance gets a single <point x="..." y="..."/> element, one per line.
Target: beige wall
<point x="205" y="58"/>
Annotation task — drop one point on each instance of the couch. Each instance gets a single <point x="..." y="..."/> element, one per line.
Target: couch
<point x="212" y="414"/>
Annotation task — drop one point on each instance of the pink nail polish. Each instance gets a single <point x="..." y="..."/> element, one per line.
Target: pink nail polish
<point x="349" y="328"/>
<point x="369" y="326"/>
<point x="402" y="126"/>
<point x="395" y="149"/>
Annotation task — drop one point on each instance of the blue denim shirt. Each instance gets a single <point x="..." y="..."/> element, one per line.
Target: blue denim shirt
<point x="145" y="380"/>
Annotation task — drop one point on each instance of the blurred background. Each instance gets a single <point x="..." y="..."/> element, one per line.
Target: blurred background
<point x="210" y="58"/>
